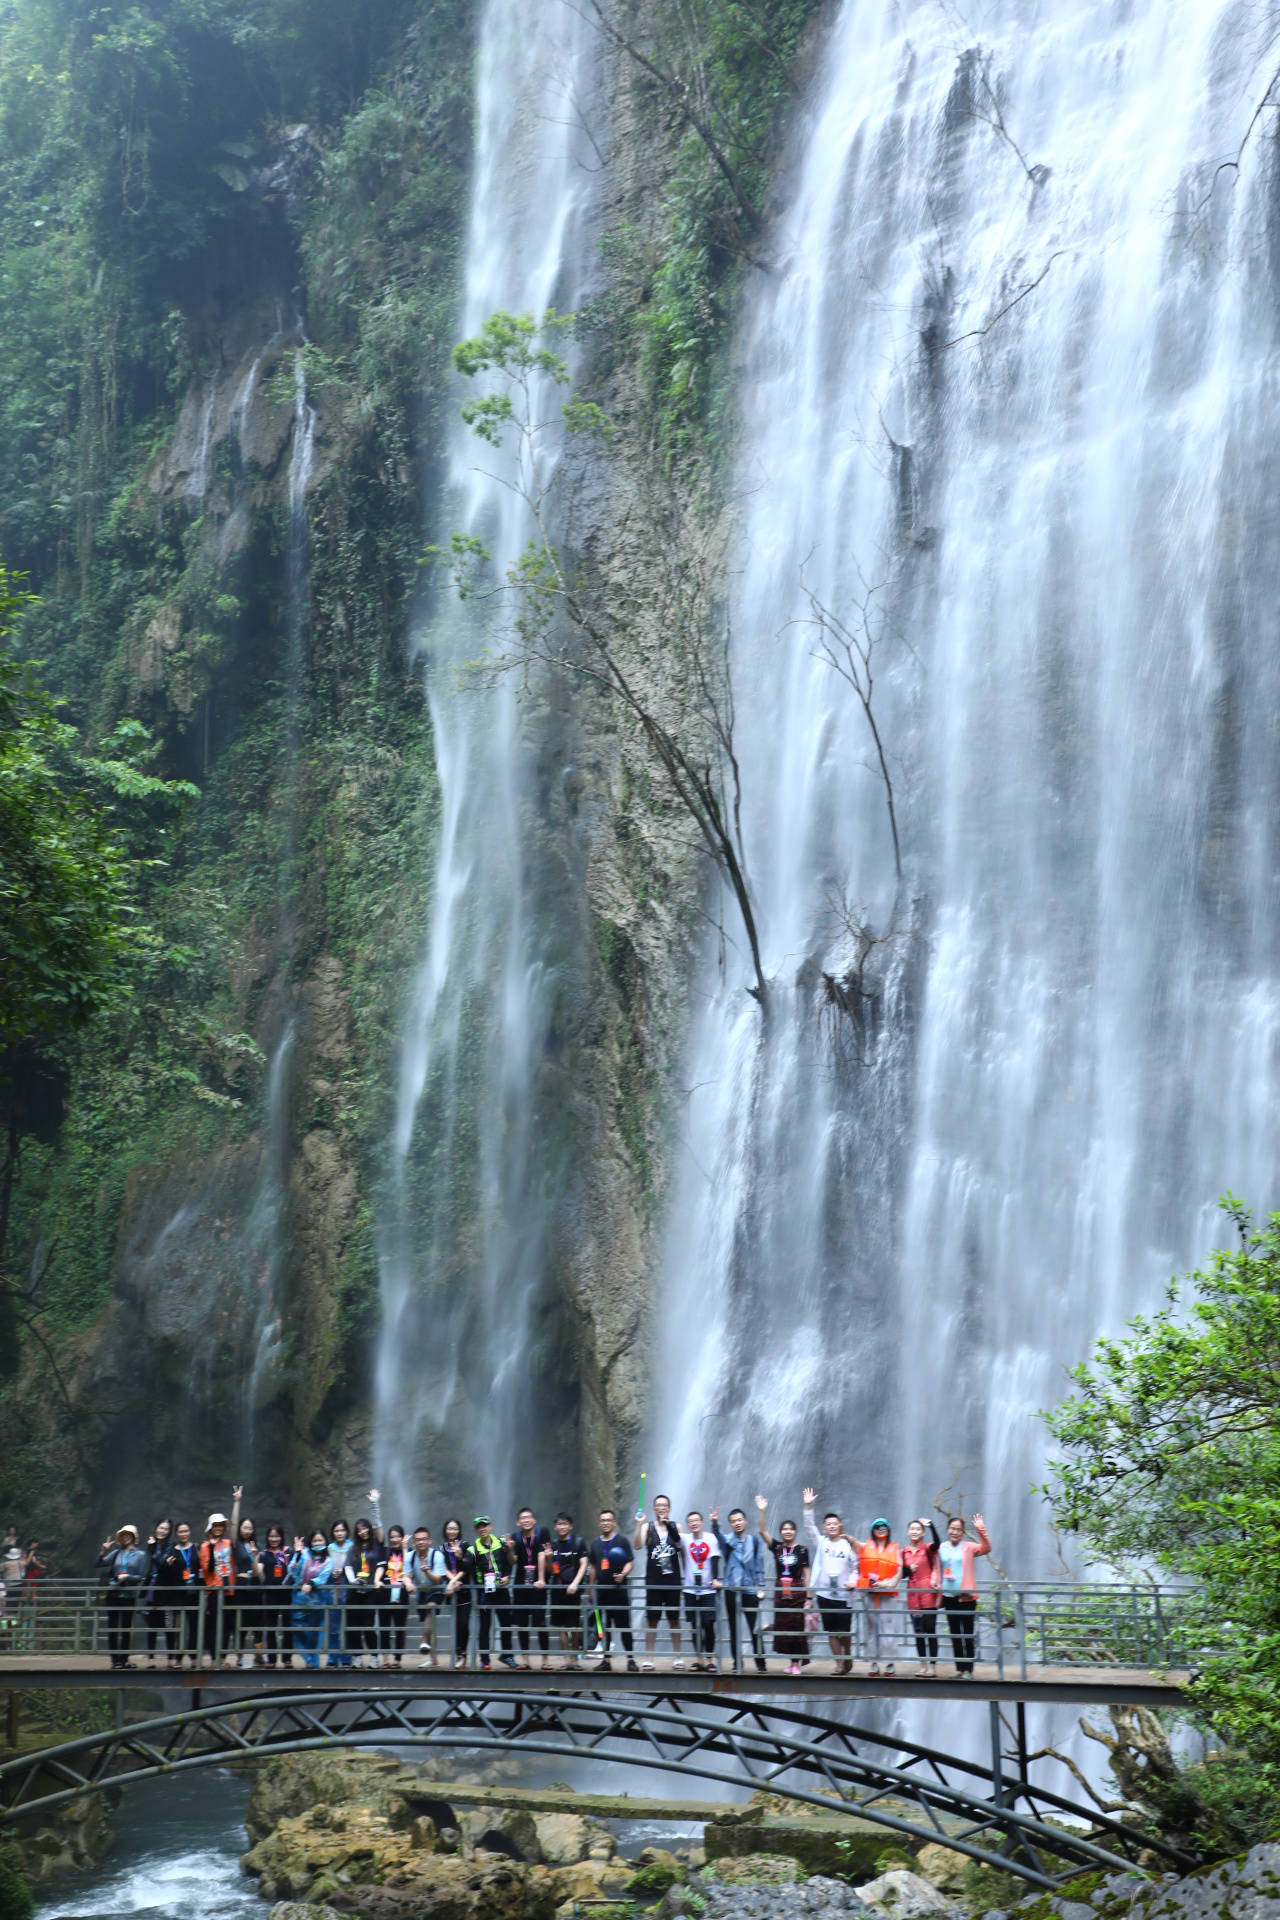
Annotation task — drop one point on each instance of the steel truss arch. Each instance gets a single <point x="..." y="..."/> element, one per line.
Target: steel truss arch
<point x="916" y="1791"/>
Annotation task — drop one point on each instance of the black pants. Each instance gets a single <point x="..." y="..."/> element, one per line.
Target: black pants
<point x="961" y="1611"/>
<point x="158" y="1629"/>
<point x="529" y="1616"/>
<point x="362" y="1621"/>
<point x="492" y="1614"/>
<point x="277" y="1626"/>
<point x="614" y="1607"/>
<point x="750" y="1605"/>
<point x="700" y="1611"/>
<point x="217" y="1620"/>
<point x="186" y="1635"/>
<point x="458" y="1614"/>
<point x="924" y="1625"/>
<point x="120" y="1611"/>
<point x="395" y="1624"/>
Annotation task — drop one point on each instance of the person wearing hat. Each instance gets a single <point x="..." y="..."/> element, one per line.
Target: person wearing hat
<point x="492" y="1565"/>
<point x="218" y="1576"/>
<point x="124" y="1567"/>
<point x="879" y="1571"/>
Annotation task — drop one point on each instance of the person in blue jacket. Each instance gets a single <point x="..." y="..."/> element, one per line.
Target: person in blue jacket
<point x="125" y="1565"/>
<point x="310" y="1574"/>
<point x="742" y="1560"/>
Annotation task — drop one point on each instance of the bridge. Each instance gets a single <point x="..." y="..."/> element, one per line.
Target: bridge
<point x="734" y="1725"/>
<point x="993" y="1812"/>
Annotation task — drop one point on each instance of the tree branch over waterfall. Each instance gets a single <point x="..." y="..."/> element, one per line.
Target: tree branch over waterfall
<point x="849" y="650"/>
<point x="646" y="635"/>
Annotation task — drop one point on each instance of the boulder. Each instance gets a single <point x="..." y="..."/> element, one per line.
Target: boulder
<point x="512" y="1831"/>
<point x="300" y="1910"/>
<point x="941" y="1866"/>
<point x="563" y="1838"/>
<point x="452" y="1889"/>
<point x="820" y="1842"/>
<point x="763" y="1869"/>
<point x="904" y="1896"/>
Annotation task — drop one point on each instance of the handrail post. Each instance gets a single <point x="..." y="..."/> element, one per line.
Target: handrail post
<point x="1020" y="1610"/>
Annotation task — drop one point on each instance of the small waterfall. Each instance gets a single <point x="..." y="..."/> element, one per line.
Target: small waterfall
<point x="1009" y="400"/>
<point x="265" y="1229"/>
<point x="473" y="1172"/>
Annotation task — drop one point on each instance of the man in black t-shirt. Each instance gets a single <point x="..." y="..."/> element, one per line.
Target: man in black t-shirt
<point x="527" y="1547"/>
<point x="662" y="1544"/>
<point x="611" y="1563"/>
<point x="567" y="1565"/>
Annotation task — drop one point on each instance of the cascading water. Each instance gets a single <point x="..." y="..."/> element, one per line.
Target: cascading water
<point x="1009" y="400"/>
<point x="265" y="1228"/>
<point x="472" y="1174"/>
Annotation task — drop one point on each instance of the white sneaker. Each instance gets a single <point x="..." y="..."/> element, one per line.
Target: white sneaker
<point x="677" y="1666"/>
<point x="424" y="1646"/>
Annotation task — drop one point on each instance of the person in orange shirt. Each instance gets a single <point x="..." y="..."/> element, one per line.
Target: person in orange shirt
<point x="879" y="1571"/>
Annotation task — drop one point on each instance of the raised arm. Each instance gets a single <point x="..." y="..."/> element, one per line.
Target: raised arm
<point x="639" y="1537"/>
<point x="810" y="1524"/>
<point x="984" y="1538"/>
<point x="762" y="1507"/>
<point x="237" y="1494"/>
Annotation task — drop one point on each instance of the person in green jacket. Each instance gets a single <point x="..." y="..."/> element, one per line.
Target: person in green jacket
<point x="492" y="1575"/>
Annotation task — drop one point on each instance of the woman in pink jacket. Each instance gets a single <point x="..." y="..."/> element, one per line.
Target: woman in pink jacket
<point x="959" y="1586"/>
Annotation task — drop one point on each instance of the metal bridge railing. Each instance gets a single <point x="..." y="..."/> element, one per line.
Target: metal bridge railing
<point x="1016" y="1629"/>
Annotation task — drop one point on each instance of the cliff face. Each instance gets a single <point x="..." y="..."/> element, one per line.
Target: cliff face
<point x="199" y="1231"/>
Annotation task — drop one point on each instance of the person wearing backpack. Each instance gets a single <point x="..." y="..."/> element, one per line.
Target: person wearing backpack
<point x="124" y="1566"/>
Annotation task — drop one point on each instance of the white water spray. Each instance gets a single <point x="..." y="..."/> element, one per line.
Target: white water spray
<point x="472" y="1175"/>
<point x="1011" y="388"/>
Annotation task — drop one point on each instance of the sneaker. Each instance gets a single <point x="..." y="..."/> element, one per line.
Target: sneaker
<point x="606" y="1665"/>
<point x="424" y="1646"/>
<point x="761" y="1666"/>
<point x="484" y="1666"/>
<point x="631" y="1664"/>
<point x="509" y="1660"/>
<point x="793" y="1669"/>
<point x="648" y="1666"/>
<point x="677" y="1666"/>
<point x="888" y="1670"/>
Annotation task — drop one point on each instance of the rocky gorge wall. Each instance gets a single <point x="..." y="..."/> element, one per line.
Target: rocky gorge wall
<point x="197" y="1234"/>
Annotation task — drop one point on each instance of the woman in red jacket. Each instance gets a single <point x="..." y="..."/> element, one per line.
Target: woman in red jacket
<point x="924" y="1578"/>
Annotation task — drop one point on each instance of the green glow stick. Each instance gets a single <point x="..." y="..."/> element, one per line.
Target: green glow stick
<point x="640" y="1508"/>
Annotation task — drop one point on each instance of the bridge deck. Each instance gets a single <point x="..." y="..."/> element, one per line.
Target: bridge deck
<point x="1077" y="1686"/>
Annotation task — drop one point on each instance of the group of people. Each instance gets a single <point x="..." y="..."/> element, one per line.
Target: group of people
<point x="355" y="1594"/>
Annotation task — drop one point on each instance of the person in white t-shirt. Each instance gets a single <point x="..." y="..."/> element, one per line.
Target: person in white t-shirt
<point x="833" y="1570"/>
<point x="700" y="1569"/>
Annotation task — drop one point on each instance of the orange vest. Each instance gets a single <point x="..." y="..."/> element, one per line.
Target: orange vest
<point x="878" y="1563"/>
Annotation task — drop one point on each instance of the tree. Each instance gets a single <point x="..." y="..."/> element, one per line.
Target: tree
<point x="1170" y="1454"/>
<point x="71" y="865"/>
<point x="584" y="622"/>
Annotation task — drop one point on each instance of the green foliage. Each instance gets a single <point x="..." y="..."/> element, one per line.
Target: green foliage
<point x="17" y="1902"/>
<point x="653" y="1880"/>
<point x="736" y="58"/>
<point x="1170" y="1454"/>
<point x="70" y="866"/>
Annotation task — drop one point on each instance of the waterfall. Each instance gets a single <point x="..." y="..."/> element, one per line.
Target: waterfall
<point x="1009" y="396"/>
<point x="472" y="1169"/>
<point x="265" y="1229"/>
